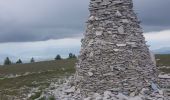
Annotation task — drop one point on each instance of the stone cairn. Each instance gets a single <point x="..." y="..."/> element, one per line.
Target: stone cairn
<point x="114" y="55"/>
<point x="114" y="61"/>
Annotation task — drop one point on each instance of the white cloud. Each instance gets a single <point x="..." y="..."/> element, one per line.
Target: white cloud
<point x="158" y="39"/>
<point x="40" y="50"/>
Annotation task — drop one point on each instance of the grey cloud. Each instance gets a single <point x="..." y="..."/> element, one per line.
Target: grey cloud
<point x="30" y="20"/>
<point x="154" y="14"/>
<point x="36" y="20"/>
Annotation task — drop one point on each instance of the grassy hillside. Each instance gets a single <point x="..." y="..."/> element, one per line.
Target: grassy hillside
<point x="19" y="80"/>
<point x="36" y="67"/>
<point x="35" y="75"/>
<point x="163" y="59"/>
<point x="163" y="62"/>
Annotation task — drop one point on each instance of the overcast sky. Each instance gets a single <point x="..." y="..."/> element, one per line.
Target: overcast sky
<point x="32" y="24"/>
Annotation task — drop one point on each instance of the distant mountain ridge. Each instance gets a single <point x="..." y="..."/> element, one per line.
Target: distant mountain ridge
<point x="164" y="50"/>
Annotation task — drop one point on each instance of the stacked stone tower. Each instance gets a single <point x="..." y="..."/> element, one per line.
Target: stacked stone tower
<point x="114" y="55"/>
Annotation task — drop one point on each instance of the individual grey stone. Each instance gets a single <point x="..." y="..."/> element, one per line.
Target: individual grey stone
<point x="98" y="33"/>
<point x="88" y="98"/>
<point x="97" y="96"/>
<point x="91" y="54"/>
<point x="116" y="50"/>
<point x="121" y="30"/>
<point x="125" y="21"/>
<point x="90" y="73"/>
<point x="71" y="90"/>
<point x="154" y="87"/>
<point x="118" y="14"/>
<point x="93" y="18"/>
<point x="132" y="94"/>
<point x="164" y="76"/>
<point x="121" y="45"/>
<point x="105" y="2"/>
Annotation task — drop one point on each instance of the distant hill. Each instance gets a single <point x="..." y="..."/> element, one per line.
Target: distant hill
<point x="165" y="50"/>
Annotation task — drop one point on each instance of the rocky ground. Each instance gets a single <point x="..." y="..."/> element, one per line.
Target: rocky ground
<point x="48" y="86"/>
<point x="67" y="92"/>
<point x="28" y="81"/>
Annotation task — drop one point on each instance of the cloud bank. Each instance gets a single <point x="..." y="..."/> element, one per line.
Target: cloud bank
<point x="39" y="20"/>
<point x="45" y="50"/>
<point x="158" y="39"/>
<point x="41" y="50"/>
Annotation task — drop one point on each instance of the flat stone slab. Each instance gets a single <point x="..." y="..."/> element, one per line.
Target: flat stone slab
<point x="165" y="76"/>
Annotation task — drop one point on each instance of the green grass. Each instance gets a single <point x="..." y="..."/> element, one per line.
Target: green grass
<point x="43" y="98"/>
<point x="163" y="59"/>
<point x="51" y="98"/>
<point x="36" y="67"/>
<point x="165" y="70"/>
<point x="41" y="75"/>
